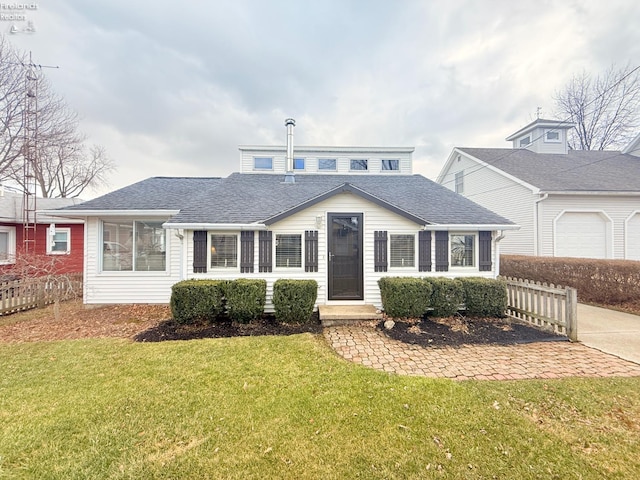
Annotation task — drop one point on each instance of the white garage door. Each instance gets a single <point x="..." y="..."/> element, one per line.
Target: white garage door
<point x="581" y="234"/>
<point x="633" y="237"/>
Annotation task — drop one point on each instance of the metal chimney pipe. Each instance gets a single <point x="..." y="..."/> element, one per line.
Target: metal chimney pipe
<point x="289" y="176"/>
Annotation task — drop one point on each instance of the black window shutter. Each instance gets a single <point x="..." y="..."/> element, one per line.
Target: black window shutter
<point x="380" y="251"/>
<point x="199" y="251"/>
<point x="311" y="251"/>
<point x="264" y="246"/>
<point x="424" y="251"/>
<point x="442" y="251"/>
<point x="484" y="244"/>
<point x="246" y="252"/>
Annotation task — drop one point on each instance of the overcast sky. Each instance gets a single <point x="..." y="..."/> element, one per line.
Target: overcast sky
<point x="171" y="88"/>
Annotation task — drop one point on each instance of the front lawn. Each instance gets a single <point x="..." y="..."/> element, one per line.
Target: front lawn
<point x="288" y="407"/>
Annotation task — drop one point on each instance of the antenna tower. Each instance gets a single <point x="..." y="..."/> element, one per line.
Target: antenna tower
<point x="30" y="155"/>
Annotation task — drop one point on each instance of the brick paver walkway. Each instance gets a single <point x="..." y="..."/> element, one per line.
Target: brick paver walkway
<point x="365" y="344"/>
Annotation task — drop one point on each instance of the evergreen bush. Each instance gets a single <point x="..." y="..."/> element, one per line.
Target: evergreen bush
<point x="294" y="300"/>
<point x="405" y="297"/>
<point x="447" y="296"/>
<point x="485" y="297"/>
<point x="197" y="300"/>
<point x="246" y="299"/>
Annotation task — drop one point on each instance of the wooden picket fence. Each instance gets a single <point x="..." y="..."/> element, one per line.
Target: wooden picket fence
<point x="545" y="306"/>
<point x="24" y="294"/>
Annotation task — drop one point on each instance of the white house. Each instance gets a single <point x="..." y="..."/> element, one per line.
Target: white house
<point x="344" y="216"/>
<point x="568" y="203"/>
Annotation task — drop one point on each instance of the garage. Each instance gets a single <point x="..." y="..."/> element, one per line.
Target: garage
<point x="582" y="234"/>
<point x="633" y="237"/>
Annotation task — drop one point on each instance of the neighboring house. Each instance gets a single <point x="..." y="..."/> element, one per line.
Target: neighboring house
<point x="343" y="216"/>
<point x="58" y="242"/>
<point x="568" y="203"/>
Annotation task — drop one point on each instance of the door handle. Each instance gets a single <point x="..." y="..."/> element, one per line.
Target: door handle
<point x="330" y="256"/>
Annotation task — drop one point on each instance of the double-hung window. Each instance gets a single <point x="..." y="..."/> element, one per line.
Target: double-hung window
<point x="58" y="241"/>
<point x="139" y="246"/>
<point x="7" y="245"/>
<point x="224" y="250"/>
<point x="463" y="250"/>
<point x="289" y="251"/>
<point x="402" y="251"/>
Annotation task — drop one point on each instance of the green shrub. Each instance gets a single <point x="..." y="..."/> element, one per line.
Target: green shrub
<point x="485" y="297"/>
<point x="246" y="299"/>
<point x="197" y="300"/>
<point x="405" y="296"/>
<point x="447" y="296"/>
<point x="294" y="300"/>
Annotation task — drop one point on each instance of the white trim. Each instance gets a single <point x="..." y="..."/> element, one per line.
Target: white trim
<point x="327" y="149"/>
<point x="50" y="241"/>
<point x="11" y="244"/>
<point x="109" y="213"/>
<point x="216" y="226"/>
<point x="210" y="268"/>
<point x="465" y="227"/>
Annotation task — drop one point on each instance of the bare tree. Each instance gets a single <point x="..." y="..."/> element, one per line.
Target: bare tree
<point x="12" y="102"/>
<point x="605" y="108"/>
<point x="63" y="164"/>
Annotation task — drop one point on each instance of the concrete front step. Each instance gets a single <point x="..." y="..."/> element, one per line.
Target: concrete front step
<point x="331" y="315"/>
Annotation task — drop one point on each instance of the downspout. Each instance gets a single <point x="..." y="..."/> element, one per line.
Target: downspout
<point x="497" y="244"/>
<point x="536" y="221"/>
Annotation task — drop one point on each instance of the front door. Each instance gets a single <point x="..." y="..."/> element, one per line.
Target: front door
<point x="345" y="256"/>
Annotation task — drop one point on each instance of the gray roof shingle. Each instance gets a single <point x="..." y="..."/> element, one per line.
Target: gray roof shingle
<point x="578" y="170"/>
<point x="249" y="198"/>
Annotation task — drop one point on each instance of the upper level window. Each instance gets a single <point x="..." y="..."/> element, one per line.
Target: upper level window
<point x="525" y="141"/>
<point x="390" y="165"/>
<point x="224" y="251"/>
<point x="402" y="250"/>
<point x="288" y="251"/>
<point x="463" y="253"/>
<point x="460" y="182"/>
<point x="298" y="163"/>
<point x="58" y="241"/>
<point x="7" y="245"/>
<point x="327" y="164"/>
<point x="263" y="163"/>
<point x="359" y="165"/>
<point x="133" y="246"/>
<point x="552" y="136"/>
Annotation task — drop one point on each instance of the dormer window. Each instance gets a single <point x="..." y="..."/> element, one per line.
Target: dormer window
<point x="263" y="163"/>
<point x="390" y="165"/>
<point x="362" y="165"/>
<point x="525" y="141"/>
<point x="327" y="164"/>
<point x="298" y="163"/>
<point x="552" y="136"/>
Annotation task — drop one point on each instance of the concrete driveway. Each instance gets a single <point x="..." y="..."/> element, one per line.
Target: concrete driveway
<point x="610" y="331"/>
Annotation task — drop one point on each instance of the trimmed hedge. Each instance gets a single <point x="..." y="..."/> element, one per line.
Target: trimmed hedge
<point x="246" y="299"/>
<point x="405" y="297"/>
<point x="485" y="297"/>
<point x="294" y="300"/>
<point x="197" y="300"/>
<point x="447" y="296"/>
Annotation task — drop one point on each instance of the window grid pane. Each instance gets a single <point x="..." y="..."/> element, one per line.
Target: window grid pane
<point x="60" y="242"/>
<point x="402" y="251"/>
<point x="289" y="251"/>
<point x="224" y="251"/>
<point x="327" y="164"/>
<point x="359" y="164"/>
<point x="462" y="251"/>
<point x="388" y="165"/>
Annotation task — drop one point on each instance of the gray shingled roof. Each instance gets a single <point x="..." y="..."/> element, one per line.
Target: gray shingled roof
<point x="249" y="198"/>
<point x="578" y="170"/>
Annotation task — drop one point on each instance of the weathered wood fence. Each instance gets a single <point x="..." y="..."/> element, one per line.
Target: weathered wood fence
<point x="542" y="305"/>
<point x="24" y="294"/>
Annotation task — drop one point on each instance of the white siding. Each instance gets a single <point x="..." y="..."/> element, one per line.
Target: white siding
<point x="502" y="196"/>
<point x="618" y="208"/>
<point x="632" y="238"/>
<point x="315" y="218"/>
<point x="127" y="287"/>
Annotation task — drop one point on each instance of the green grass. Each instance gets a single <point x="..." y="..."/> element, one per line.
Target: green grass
<point x="289" y="408"/>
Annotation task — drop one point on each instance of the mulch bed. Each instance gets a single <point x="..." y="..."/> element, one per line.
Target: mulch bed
<point x="267" y="325"/>
<point x="458" y="330"/>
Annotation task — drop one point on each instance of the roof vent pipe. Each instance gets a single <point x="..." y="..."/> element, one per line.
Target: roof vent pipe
<point x="289" y="175"/>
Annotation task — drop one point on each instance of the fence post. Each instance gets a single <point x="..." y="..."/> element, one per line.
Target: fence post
<point x="571" y="314"/>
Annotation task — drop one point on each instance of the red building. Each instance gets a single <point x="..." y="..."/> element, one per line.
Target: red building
<point x="56" y="247"/>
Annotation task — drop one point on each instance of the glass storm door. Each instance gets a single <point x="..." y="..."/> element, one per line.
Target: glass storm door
<point x="345" y="256"/>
